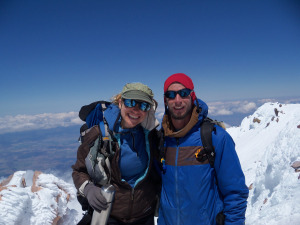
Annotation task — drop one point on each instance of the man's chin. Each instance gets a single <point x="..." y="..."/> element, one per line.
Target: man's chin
<point x="178" y="116"/>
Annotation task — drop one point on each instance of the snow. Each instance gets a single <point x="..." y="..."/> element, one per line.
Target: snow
<point x="35" y="198"/>
<point x="267" y="142"/>
<point x="266" y="150"/>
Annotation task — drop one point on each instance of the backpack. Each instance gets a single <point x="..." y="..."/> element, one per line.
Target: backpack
<point x="101" y="150"/>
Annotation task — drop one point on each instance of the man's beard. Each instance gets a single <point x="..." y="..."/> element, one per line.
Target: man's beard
<point x="180" y="117"/>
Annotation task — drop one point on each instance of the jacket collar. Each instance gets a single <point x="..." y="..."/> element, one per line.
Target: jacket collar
<point x="113" y="117"/>
<point x="197" y="115"/>
<point x="170" y="130"/>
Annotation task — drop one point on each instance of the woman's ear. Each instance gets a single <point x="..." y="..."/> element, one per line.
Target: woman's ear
<point x="120" y="103"/>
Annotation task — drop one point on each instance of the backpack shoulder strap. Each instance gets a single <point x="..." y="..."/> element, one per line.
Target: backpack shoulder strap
<point x="92" y="115"/>
<point x="103" y="124"/>
<point x="87" y="109"/>
<point x="207" y="127"/>
<point x="162" y="152"/>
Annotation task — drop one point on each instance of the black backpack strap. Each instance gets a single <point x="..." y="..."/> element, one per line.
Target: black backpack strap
<point x="206" y="136"/>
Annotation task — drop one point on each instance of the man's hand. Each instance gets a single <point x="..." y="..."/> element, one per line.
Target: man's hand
<point x="95" y="198"/>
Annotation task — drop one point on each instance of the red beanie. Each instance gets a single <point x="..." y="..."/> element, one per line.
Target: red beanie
<point x="183" y="79"/>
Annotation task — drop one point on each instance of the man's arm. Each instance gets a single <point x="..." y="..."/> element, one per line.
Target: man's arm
<point x="231" y="179"/>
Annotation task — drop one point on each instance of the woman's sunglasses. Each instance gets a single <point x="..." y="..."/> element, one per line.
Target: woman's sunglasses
<point x="144" y="106"/>
<point x="183" y="93"/>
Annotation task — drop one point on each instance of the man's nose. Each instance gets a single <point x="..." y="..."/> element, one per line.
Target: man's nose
<point x="178" y="97"/>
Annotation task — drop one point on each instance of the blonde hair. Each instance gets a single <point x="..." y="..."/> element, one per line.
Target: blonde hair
<point x="115" y="99"/>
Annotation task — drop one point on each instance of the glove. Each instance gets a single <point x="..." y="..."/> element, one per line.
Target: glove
<point x="95" y="198"/>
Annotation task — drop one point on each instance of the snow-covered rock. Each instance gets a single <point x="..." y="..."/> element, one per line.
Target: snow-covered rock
<point x="28" y="197"/>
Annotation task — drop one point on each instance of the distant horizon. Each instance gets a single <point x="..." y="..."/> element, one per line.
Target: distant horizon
<point x="295" y="98"/>
<point x="231" y="112"/>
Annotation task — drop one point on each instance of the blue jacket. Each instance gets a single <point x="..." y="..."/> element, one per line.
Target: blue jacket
<point x="134" y="145"/>
<point x="194" y="192"/>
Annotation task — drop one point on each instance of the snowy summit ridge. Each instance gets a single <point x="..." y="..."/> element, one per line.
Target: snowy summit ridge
<point x="267" y="142"/>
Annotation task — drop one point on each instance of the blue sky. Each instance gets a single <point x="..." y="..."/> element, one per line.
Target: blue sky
<point x="56" y="56"/>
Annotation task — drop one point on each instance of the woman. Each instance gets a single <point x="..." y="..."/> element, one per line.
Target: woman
<point x="132" y="123"/>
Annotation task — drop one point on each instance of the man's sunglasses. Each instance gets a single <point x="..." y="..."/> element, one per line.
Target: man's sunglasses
<point x="144" y="106"/>
<point x="183" y="93"/>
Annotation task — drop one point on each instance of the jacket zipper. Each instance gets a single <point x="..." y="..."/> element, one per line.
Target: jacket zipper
<point x="131" y="204"/>
<point x="132" y="194"/>
<point x="133" y="145"/>
<point x="176" y="182"/>
<point x="130" y="208"/>
<point x="133" y="189"/>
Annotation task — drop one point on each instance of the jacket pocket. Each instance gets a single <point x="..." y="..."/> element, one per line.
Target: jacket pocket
<point x="220" y="218"/>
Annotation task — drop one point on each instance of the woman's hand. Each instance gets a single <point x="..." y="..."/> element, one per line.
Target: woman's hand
<point x="95" y="198"/>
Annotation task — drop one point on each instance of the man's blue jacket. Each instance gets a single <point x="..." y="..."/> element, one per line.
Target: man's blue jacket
<point x="193" y="192"/>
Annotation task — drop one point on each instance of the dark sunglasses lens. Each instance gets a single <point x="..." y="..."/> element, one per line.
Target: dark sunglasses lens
<point x="129" y="103"/>
<point x="184" y="92"/>
<point x="171" y="94"/>
<point x="144" y="106"/>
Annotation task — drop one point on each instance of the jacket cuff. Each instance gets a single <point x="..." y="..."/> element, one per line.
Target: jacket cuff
<point x="81" y="189"/>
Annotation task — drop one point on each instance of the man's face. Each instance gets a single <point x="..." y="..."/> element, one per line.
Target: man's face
<point x="180" y="108"/>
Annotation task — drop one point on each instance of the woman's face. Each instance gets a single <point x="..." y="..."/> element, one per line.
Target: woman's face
<point x="131" y="116"/>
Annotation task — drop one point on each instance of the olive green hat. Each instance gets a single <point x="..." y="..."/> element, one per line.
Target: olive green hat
<point x="137" y="91"/>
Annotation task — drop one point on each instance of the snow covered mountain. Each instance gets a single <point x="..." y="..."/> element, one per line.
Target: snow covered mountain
<point x="267" y="142"/>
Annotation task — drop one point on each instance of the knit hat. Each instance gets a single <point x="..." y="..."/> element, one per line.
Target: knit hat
<point x="137" y="91"/>
<point x="183" y="79"/>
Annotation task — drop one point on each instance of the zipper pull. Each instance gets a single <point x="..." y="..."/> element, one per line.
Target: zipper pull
<point x="177" y="141"/>
<point x="163" y="163"/>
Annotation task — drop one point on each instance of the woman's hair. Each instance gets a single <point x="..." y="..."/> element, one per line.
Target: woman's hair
<point x="115" y="99"/>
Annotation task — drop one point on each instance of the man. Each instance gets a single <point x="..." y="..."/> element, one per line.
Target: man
<point x="194" y="192"/>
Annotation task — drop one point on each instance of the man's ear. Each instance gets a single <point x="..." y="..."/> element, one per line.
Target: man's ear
<point x="166" y="104"/>
<point x="165" y="101"/>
